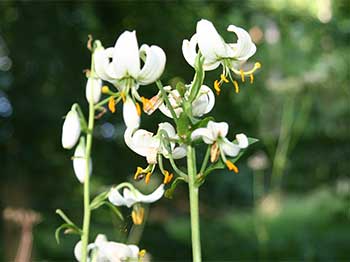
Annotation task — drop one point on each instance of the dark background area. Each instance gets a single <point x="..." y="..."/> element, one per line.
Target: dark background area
<point x="290" y="200"/>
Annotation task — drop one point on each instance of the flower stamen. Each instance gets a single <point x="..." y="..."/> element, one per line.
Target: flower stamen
<point x="148" y="177"/>
<point x="223" y="78"/>
<point x="138" y="108"/>
<point x="217" y="88"/>
<point x="142" y="253"/>
<point x="231" y="166"/>
<point x="122" y="95"/>
<point x="105" y="90"/>
<point x="242" y="75"/>
<point x="235" y="84"/>
<point x="111" y="104"/>
<point x="251" y="78"/>
<point x="137" y="215"/>
<point x="139" y="173"/>
<point x="167" y="177"/>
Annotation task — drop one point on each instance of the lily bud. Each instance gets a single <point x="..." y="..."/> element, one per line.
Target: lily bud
<point x="93" y="89"/>
<point x="79" y="162"/>
<point x="130" y="114"/>
<point x="71" y="129"/>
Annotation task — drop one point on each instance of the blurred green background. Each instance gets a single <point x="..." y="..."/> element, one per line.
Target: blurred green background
<point x="290" y="200"/>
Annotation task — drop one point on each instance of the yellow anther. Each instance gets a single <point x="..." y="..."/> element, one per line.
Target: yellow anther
<point x="257" y="65"/>
<point x="235" y="83"/>
<point x="147" y="105"/>
<point x="142" y="253"/>
<point x="217" y="87"/>
<point x="138" y="108"/>
<point x="223" y="78"/>
<point x="242" y="75"/>
<point x="111" y="104"/>
<point x="167" y="177"/>
<point x="123" y="96"/>
<point x="231" y="166"/>
<point x="137" y="215"/>
<point x="139" y="171"/>
<point x="251" y="78"/>
<point x="214" y="152"/>
<point x="148" y="177"/>
<point x="105" y="89"/>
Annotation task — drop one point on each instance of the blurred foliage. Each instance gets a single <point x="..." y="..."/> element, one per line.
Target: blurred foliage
<point x="293" y="206"/>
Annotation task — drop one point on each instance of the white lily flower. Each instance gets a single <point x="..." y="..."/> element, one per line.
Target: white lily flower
<point x="93" y="89"/>
<point x="130" y="197"/>
<point x="103" y="250"/>
<point x="79" y="162"/>
<point x="131" y="114"/>
<point x="202" y="104"/>
<point x="71" y="129"/>
<point x="216" y="51"/>
<point x="215" y="134"/>
<point x="121" y="66"/>
<point x="147" y="144"/>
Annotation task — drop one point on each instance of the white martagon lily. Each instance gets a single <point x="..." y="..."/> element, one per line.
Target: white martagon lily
<point x="103" y="250"/>
<point x="131" y="195"/>
<point x="147" y="144"/>
<point x="121" y="65"/>
<point x="215" y="134"/>
<point x="79" y="161"/>
<point x="71" y="129"/>
<point x="217" y="52"/>
<point x="202" y="104"/>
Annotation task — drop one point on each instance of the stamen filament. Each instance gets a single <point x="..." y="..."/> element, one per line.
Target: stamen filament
<point x="242" y="75"/>
<point x="235" y="83"/>
<point x="223" y="78"/>
<point x="251" y="78"/>
<point x="139" y="171"/>
<point x="148" y="177"/>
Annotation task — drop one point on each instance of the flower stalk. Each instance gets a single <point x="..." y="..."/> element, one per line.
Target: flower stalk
<point x="87" y="210"/>
<point x="194" y="208"/>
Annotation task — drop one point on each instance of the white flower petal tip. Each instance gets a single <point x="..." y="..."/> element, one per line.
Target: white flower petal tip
<point x="130" y="197"/>
<point x="154" y="64"/>
<point x="244" y="48"/>
<point x="71" y="129"/>
<point x="131" y="114"/>
<point x="204" y="103"/>
<point x="93" y="90"/>
<point x="242" y="140"/>
<point x="79" y="162"/>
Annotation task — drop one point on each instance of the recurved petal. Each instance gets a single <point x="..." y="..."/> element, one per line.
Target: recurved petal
<point x="242" y="140"/>
<point x="156" y="195"/>
<point x="218" y="129"/>
<point x="168" y="128"/>
<point x="116" y="198"/>
<point x="203" y="133"/>
<point x="179" y="152"/>
<point x="210" y="43"/>
<point x="189" y="50"/>
<point x="126" y="58"/>
<point x="244" y="48"/>
<point x="103" y="66"/>
<point x="154" y="64"/>
<point x="229" y="148"/>
<point x="130" y="114"/>
<point x="71" y="129"/>
<point x="93" y="89"/>
<point x="204" y="103"/>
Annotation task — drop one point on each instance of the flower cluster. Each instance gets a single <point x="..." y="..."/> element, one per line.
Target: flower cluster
<point x="120" y="67"/>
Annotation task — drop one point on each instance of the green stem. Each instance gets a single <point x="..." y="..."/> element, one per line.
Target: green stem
<point x="194" y="209"/>
<point x="87" y="211"/>
<point x="166" y="99"/>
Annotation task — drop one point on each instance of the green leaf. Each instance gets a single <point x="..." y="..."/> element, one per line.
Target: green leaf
<point x="98" y="200"/>
<point x="183" y="125"/>
<point x="70" y="229"/>
<point x="170" y="191"/>
<point x="114" y="210"/>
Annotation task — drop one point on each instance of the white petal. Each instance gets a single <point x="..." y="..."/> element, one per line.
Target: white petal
<point x="141" y="141"/>
<point x="130" y="114"/>
<point x="179" y="152"/>
<point x="114" y="252"/>
<point x="190" y="53"/>
<point x="116" y="198"/>
<point x="210" y="43"/>
<point x="244" y="48"/>
<point x="134" y="251"/>
<point x="189" y="50"/>
<point x="78" y="251"/>
<point x="71" y="129"/>
<point x="103" y="66"/>
<point x="93" y="89"/>
<point x="204" y="103"/>
<point x="203" y="133"/>
<point x="229" y="148"/>
<point x="175" y="101"/>
<point x="79" y="162"/>
<point x="168" y="128"/>
<point x="242" y="140"/>
<point x="126" y="59"/>
<point x="156" y="195"/>
<point x="154" y="64"/>
<point x="130" y="197"/>
<point x="218" y="129"/>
